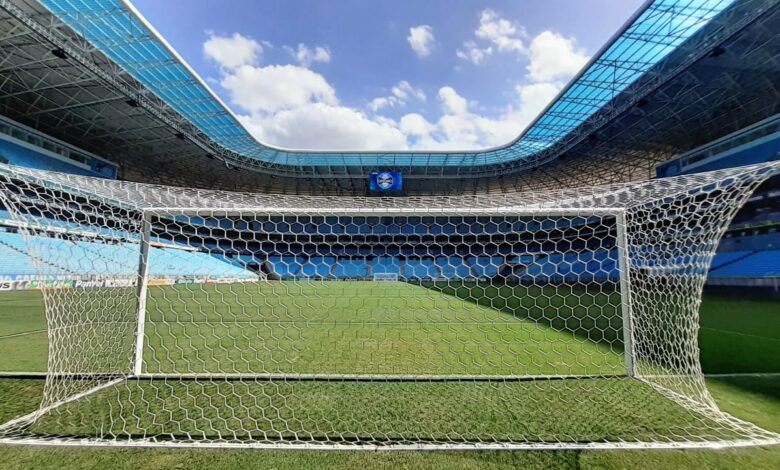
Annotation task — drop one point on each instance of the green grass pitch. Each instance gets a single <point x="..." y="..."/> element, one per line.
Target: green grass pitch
<point x="736" y="336"/>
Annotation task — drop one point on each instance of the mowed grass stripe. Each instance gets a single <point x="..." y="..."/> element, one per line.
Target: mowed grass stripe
<point x="26" y="353"/>
<point x="340" y="327"/>
<point x="721" y="353"/>
<point x="21" y="312"/>
<point x="269" y="411"/>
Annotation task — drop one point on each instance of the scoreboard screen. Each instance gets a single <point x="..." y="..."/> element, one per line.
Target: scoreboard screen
<point x="381" y="181"/>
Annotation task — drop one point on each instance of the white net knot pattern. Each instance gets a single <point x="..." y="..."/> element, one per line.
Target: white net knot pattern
<point x="566" y="319"/>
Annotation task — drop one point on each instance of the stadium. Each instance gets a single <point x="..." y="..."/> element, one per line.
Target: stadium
<point x="607" y="281"/>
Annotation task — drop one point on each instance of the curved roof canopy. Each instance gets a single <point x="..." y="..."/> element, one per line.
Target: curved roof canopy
<point x="120" y="32"/>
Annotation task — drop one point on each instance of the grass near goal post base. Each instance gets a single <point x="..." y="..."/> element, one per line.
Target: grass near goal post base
<point x="386" y="415"/>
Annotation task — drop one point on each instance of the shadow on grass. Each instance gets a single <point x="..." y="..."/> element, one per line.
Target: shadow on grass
<point x="590" y="312"/>
<point x="736" y="337"/>
<point x="739" y="334"/>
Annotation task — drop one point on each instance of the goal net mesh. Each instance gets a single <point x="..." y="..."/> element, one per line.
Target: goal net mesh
<point x="187" y="317"/>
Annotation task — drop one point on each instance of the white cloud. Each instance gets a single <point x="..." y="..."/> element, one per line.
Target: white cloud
<point x="232" y="51"/>
<point x="276" y="87"/>
<point x="452" y="102"/>
<point x="293" y="106"/>
<point x="306" y="56"/>
<point x="404" y="91"/>
<point x="421" y="40"/>
<point x="494" y="33"/>
<point x="382" y="102"/>
<point x="325" y="127"/>
<point x="553" y="57"/>
<point x="504" y="34"/>
<point x="415" y="125"/>
<point x="459" y="128"/>
<point x="535" y="97"/>
<point x="399" y="95"/>
<point x="473" y="53"/>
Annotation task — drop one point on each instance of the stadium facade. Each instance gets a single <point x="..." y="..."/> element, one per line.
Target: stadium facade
<point x="675" y="76"/>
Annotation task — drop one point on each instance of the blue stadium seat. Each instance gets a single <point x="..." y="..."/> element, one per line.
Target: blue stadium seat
<point x="386" y="265"/>
<point x="346" y="268"/>
<point x="727" y="257"/>
<point x="759" y="264"/>
<point x="59" y="256"/>
<point x="484" y="266"/>
<point x="318" y="267"/>
<point x="14" y="263"/>
<point x="420" y="269"/>
<point x="545" y="267"/>
<point x="452" y="267"/>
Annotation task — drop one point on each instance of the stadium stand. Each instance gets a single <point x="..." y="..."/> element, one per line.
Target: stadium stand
<point x="385" y="265"/>
<point x="725" y="258"/>
<point x="420" y="269"/>
<point x="582" y="266"/>
<point x="485" y="266"/>
<point x="757" y="143"/>
<point x="19" y="258"/>
<point x="747" y="253"/>
<point x="452" y="267"/>
<point x="351" y="269"/>
<point x="317" y="267"/>
<point x="24" y="146"/>
<point x="755" y="264"/>
<point x="285" y="267"/>
<point x="14" y="262"/>
<point x="739" y="257"/>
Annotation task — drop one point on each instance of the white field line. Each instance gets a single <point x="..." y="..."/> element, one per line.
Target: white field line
<point x="748" y="335"/>
<point x="25" y="333"/>
<point x="81" y="442"/>
<point x="743" y="374"/>
<point x="35" y="414"/>
<point x="41" y="375"/>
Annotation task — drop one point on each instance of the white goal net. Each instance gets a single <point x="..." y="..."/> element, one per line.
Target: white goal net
<point x="181" y="317"/>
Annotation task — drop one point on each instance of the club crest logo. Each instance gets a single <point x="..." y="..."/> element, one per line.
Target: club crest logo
<point x="385" y="180"/>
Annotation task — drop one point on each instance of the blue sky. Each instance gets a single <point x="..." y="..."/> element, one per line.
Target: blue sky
<point x="356" y="74"/>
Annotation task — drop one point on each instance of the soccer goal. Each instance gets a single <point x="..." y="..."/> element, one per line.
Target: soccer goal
<point x="559" y="320"/>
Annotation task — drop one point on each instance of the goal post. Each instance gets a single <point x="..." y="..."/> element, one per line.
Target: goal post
<point x="557" y="320"/>
<point x="625" y="290"/>
<point x="143" y="284"/>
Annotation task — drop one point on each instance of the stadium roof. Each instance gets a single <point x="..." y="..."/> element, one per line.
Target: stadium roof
<point x="680" y="71"/>
<point x="118" y="30"/>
